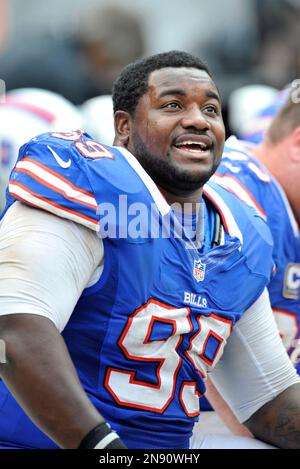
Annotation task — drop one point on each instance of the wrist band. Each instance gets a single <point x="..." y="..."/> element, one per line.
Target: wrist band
<point x="101" y="437"/>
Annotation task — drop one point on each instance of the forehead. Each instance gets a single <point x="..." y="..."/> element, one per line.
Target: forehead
<point x="168" y="78"/>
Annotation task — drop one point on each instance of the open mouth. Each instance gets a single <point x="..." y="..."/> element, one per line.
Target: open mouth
<point x="193" y="146"/>
<point x="193" y="143"/>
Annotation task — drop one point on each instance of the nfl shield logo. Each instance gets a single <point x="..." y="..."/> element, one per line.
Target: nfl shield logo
<point x="199" y="270"/>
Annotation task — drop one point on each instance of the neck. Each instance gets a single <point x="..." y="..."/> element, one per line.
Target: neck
<point x="262" y="153"/>
<point x="271" y="156"/>
<point x="275" y="158"/>
<point x="190" y="202"/>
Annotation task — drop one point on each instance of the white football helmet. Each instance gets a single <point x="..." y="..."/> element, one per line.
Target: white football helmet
<point x="98" y="118"/>
<point x="244" y="103"/>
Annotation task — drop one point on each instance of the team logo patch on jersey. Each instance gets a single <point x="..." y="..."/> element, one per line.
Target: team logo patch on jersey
<point x="199" y="270"/>
<point x="291" y="285"/>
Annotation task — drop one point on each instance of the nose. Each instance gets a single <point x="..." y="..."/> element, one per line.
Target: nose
<point x="194" y="117"/>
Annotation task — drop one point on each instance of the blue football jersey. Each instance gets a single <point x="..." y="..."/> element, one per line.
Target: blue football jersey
<point x="144" y="337"/>
<point x="242" y="173"/>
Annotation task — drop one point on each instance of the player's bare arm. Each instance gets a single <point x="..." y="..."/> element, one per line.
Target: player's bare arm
<point x="42" y="377"/>
<point x="38" y="368"/>
<point x="224" y="411"/>
<point x="279" y="420"/>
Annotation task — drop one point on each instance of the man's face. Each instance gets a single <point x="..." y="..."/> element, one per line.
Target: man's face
<point x="177" y="132"/>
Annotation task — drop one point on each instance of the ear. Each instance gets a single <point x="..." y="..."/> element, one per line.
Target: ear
<point x="122" y="128"/>
<point x="295" y="145"/>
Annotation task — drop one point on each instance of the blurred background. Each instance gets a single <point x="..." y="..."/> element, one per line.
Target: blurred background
<point x="73" y="50"/>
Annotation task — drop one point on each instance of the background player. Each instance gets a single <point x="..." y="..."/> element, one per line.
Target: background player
<point x="267" y="176"/>
<point x="145" y="323"/>
<point x="25" y="113"/>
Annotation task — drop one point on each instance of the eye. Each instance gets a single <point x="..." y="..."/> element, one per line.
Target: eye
<point x="211" y="109"/>
<point x="172" y="105"/>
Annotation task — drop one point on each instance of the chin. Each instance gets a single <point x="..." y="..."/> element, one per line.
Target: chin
<point x="194" y="176"/>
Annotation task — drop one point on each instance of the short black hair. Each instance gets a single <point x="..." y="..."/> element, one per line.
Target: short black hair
<point x="132" y="82"/>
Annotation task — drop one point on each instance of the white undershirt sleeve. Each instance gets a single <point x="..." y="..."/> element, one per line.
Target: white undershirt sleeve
<point x="45" y="263"/>
<point x="255" y="367"/>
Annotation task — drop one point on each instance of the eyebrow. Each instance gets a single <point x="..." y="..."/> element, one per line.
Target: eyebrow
<point x="172" y="91"/>
<point x="181" y="92"/>
<point x="213" y="95"/>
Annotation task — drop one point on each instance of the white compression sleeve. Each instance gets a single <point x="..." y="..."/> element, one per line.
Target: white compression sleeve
<point x="45" y="263"/>
<point x="255" y="367"/>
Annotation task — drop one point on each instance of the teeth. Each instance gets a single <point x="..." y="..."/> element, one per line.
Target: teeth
<point x="191" y="142"/>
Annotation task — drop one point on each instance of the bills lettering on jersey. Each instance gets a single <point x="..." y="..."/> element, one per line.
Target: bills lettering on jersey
<point x="195" y="299"/>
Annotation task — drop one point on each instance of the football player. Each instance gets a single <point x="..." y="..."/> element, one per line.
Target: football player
<point x="112" y="314"/>
<point x="266" y="176"/>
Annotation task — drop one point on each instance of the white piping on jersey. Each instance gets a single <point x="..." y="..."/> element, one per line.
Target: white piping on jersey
<point x="262" y="175"/>
<point x="158" y="198"/>
<point x="237" y="188"/>
<point x="235" y="155"/>
<point x="224" y="210"/>
<point x="237" y="150"/>
<point x="231" y="167"/>
<point x="243" y="148"/>
<point x="58" y="182"/>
